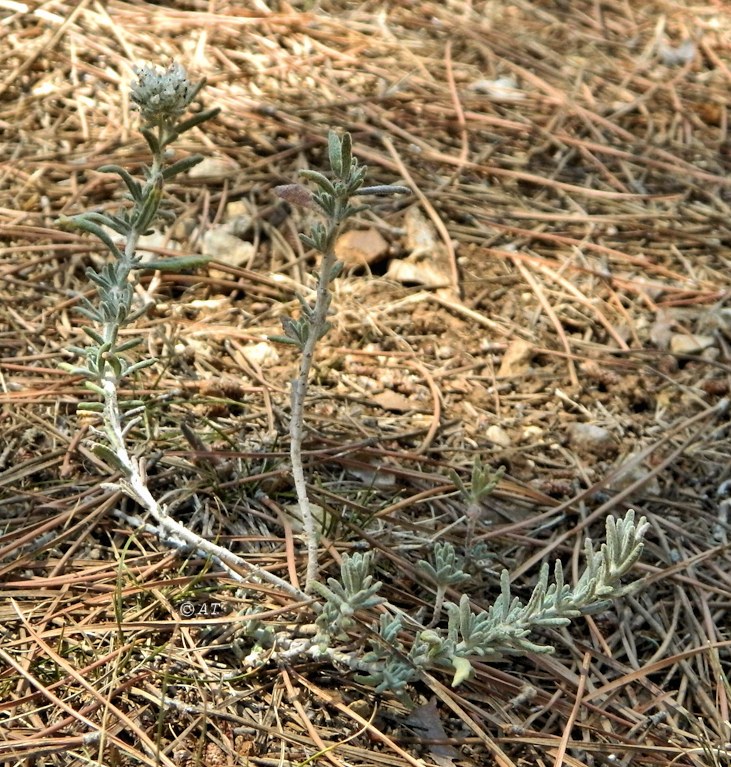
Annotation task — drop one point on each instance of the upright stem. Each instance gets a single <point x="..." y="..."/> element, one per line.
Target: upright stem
<point x="299" y="394"/>
<point x="111" y="329"/>
<point x="332" y="200"/>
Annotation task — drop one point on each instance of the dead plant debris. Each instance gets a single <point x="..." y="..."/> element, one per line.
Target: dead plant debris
<point x="560" y="308"/>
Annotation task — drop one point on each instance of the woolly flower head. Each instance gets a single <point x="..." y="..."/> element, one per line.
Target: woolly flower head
<point x="162" y="95"/>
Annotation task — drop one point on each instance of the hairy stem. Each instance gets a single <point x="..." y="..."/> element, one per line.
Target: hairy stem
<point x="135" y="486"/>
<point x="296" y="423"/>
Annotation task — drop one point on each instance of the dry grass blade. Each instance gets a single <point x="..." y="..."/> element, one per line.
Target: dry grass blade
<point x="571" y="164"/>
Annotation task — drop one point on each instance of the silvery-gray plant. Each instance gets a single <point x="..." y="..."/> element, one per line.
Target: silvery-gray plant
<point x="332" y="199"/>
<point x="504" y="628"/>
<point x="482" y="483"/>
<point x="356" y="590"/>
<point x="162" y="98"/>
<point x="445" y="572"/>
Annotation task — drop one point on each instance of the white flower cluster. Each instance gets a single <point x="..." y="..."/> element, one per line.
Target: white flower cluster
<point x="162" y="95"/>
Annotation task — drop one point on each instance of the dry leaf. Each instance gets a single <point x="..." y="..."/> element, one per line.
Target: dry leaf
<point x="424" y="273"/>
<point x="391" y="400"/>
<point x="516" y="359"/>
<point x="426" y="723"/>
<point x="428" y="261"/>
<point x="371" y="472"/>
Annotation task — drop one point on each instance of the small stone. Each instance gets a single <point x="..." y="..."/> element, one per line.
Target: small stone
<point x="500" y="89"/>
<point x="224" y="246"/>
<point x="260" y="354"/>
<point x="589" y="438"/>
<point x="147" y="244"/>
<point x="631" y="470"/>
<point x="533" y="433"/>
<point x="687" y="343"/>
<point x="215" y="167"/>
<point x="359" y="247"/>
<point x="238" y="218"/>
<point x="498" y="436"/>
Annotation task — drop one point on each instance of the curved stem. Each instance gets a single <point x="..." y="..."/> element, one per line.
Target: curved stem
<point x="134" y="482"/>
<point x="134" y="485"/>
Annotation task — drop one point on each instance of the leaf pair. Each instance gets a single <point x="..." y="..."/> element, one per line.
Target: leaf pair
<point x="340" y="154"/>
